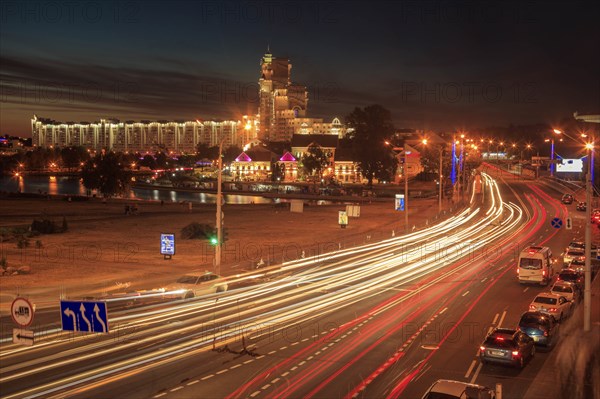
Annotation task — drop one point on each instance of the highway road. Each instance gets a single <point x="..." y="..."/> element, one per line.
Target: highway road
<point x="381" y="320"/>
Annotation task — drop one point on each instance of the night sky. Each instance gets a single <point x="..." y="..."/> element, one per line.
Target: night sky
<point x="435" y="64"/>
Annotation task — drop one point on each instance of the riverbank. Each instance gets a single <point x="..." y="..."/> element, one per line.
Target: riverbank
<point x="104" y="248"/>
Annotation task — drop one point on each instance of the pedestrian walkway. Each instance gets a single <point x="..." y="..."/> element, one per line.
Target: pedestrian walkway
<point x="561" y="376"/>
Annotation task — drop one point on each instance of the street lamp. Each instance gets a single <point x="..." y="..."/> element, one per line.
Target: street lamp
<point x="441" y="176"/>
<point x="405" y="176"/>
<point x="219" y="209"/>
<point x="587" y="293"/>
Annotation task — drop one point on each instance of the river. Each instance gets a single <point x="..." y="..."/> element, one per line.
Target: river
<point x="64" y="185"/>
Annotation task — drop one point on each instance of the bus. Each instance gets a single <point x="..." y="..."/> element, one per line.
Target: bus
<point x="536" y="265"/>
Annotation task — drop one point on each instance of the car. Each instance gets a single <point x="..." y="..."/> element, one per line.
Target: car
<point x="596" y="216"/>
<point x="555" y="305"/>
<point x="581" y="206"/>
<point x="507" y="346"/>
<point x="195" y="284"/>
<point x="567" y="199"/>
<point x="566" y="289"/>
<point x="580" y="245"/>
<point x="572" y="276"/>
<point x="571" y="254"/>
<point x="448" y="389"/>
<point x="577" y="264"/>
<point x="541" y="327"/>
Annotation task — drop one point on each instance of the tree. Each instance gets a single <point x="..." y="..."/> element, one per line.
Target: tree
<point x="106" y="173"/>
<point x="231" y="153"/>
<point x="73" y="156"/>
<point x="148" y="161"/>
<point x="315" y="160"/>
<point x="371" y="127"/>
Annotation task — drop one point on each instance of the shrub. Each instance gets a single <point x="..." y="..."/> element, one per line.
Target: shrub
<point x="44" y="226"/>
<point x="22" y="242"/>
<point x="196" y="231"/>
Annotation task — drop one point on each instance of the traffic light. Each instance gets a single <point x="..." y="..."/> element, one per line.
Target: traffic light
<point x="224" y="235"/>
<point x="212" y="236"/>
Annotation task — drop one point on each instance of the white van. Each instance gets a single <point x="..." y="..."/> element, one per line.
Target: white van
<point x="536" y="265"/>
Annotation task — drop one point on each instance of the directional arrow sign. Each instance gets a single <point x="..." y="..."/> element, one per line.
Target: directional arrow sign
<point x="84" y="316"/>
<point x="23" y="337"/>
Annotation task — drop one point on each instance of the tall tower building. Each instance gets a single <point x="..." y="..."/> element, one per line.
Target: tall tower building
<point x="280" y="100"/>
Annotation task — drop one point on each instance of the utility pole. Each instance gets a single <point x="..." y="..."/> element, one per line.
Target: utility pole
<point x="219" y="211"/>
<point x="441" y="179"/>
<point x="587" y="293"/>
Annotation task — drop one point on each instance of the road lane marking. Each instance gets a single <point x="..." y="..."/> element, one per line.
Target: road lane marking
<point x="266" y="386"/>
<point x="473" y="363"/>
<point x="222" y="371"/>
<point x="525" y="290"/>
<point x="282" y="348"/>
<point x="192" y="382"/>
<point x="484" y="280"/>
<point x="476" y="373"/>
<point x="275" y="380"/>
<point x="176" y="389"/>
<point x="294" y="343"/>
<point x="254" y="394"/>
<point x="270" y="353"/>
<point x="495" y="318"/>
<point x="465" y="293"/>
<point x="159" y="395"/>
<point x="502" y="318"/>
<point x="248" y="361"/>
<point x="302" y="363"/>
<point x="207" y="377"/>
<point x="235" y="366"/>
<point x="284" y="374"/>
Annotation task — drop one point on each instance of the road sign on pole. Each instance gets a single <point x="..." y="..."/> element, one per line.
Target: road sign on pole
<point x="23" y="337"/>
<point x="21" y="312"/>
<point x="399" y="205"/>
<point x="84" y="316"/>
<point x="569" y="224"/>
<point x="556" y="223"/>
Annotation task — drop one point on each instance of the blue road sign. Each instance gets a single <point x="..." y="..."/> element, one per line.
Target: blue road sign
<point x="556" y="223"/>
<point x="167" y="244"/>
<point x="399" y="203"/>
<point x="84" y="316"/>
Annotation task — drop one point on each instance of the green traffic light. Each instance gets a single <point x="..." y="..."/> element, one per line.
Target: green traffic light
<point x="213" y="240"/>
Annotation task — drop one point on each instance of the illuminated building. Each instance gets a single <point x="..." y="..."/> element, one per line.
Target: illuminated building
<point x="179" y="137"/>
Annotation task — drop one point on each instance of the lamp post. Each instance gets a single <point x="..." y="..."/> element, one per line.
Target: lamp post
<point x="587" y="293"/>
<point x="405" y="176"/>
<point x="441" y="176"/>
<point x="219" y="210"/>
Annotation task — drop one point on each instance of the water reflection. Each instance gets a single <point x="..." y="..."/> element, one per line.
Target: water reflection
<point x="61" y="185"/>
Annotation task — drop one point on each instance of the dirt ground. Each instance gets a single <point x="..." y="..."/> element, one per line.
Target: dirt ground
<point x="105" y="250"/>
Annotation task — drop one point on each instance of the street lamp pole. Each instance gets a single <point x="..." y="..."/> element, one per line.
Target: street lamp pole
<point x="441" y="180"/>
<point x="405" y="173"/>
<point x="219" y="211"/>
<point x="587" y="293"/>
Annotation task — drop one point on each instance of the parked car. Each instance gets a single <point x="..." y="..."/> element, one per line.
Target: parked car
<point x="541" y="327"/>
<point x="567" y="199"/>
<point x="572" y="276"/>
<point x="448" y="389"/>
<point x="195" y="284"/>
<point x="571" y="254"/>
<point x="566" y="289"/>
<point x="555" y="305"/>
<point x="581" y="206"/>
<point x="577" y="264"/>
<point x="507" y="346"/>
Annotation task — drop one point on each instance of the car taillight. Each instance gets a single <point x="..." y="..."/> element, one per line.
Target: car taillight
<point x="482" y="348"/>
<point x="531" y="307"/>
<point x="545" y="333"/>
<point x="552" y="310"/>
<point x="515" y="353"/>
<point x="543" y="272"/>
<point x="517" y="270"/>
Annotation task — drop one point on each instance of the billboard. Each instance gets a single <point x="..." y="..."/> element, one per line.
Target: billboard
<point x="167" y="244"/>
<point x="569" y="165"/>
